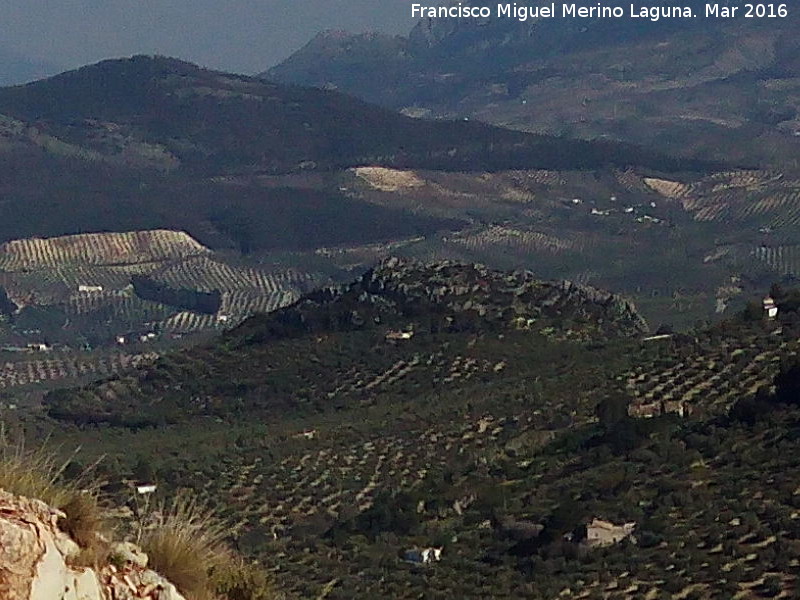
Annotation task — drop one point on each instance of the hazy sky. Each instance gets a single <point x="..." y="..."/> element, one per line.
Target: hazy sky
<point x="239" y="35"/>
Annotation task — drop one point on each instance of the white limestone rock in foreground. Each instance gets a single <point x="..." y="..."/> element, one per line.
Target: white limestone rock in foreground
<point x="35" y="559"/>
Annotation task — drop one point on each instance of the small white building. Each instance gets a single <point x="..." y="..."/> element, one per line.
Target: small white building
<point x="605" y="533"/>
<point x="770" y="308"/>
<point x="659" y="336"/>
<point x="90" y="289"/>
<point x="146" y="489"/>
<point x="424" y="556"/>
<point x="399" y="335"/>
<point x="38" y="347"/>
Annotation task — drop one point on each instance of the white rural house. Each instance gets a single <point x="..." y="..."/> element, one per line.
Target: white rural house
<point x="424" y="556"/>
<point x="90" y="289"/>
<point x="605" y="533"/>
<point x="770" y="308"/>
<point x="399" y="335"/>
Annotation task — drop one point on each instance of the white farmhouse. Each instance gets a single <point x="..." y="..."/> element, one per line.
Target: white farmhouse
<point x="770" y="308"/>
<point x="605" y="533"/>
<point x="399" y="335"/>
<point x="90" y="289"/>
<point x="425" y="556"/>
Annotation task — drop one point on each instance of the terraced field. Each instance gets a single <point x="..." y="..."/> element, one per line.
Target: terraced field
<point x="516" y="240"/>
<point x="76" y="293"/>
<point x="359" y="256"/>
<point x="784" y="260"/>
<point x="119" y="311"/>
<point x="98" y="249"/>
<point x="312" y="481"/>
<point x="59" y="284"/>
<point x="511" y="186"/>
<point x="706" y="381"/>
<point x="87" y="277"/>
<point x="765" y="198"/>
<point x="192" y="322"/>
<point x="243" y="303"/>
<point x="469" y="197"/>
<point x="388" y="180"/>
<point x="288" y="491"/>
<point x="206" y="274"/>
<point x="19" y="373"/>
<point x="245" y="290"/>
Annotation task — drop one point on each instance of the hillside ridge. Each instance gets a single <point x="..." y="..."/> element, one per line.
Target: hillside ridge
<point x="167" y="110"/>
<point x="399" y="300"/>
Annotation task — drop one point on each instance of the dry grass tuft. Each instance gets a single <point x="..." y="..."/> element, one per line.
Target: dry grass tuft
<point x="186" y="542"/>
<point x="34" y="473"/>
<point x="239" y="580"/>
<point x="37" y="473"/>
<point x="86" y="525"/>
<point x="84" y="519"/>
<point x="187" y="545"/>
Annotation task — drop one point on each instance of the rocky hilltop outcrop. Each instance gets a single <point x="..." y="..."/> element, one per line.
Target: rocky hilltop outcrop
<point x="37" y="558"/>
<point x="449" y="296"/>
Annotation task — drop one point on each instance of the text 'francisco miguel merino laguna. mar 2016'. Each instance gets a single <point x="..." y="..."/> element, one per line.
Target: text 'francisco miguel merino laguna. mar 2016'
<point x="523" y="12"/>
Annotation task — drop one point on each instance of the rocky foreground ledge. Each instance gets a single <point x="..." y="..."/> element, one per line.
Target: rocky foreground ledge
<point x="36" y="561"/>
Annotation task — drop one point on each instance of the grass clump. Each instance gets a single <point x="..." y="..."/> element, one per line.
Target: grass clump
<point x="34" y="473"/>
<point x="186" y="544"/>
<point x="239" y="580"/>
<point x="38" y="473"/>
<point x="86" y="525"/>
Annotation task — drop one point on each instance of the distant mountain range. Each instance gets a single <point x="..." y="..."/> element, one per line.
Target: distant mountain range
<point x="151" y="142"/>
<point x="707" y="87"/>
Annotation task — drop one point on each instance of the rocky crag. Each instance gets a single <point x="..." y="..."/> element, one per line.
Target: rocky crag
<point x="451" y="296"/>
